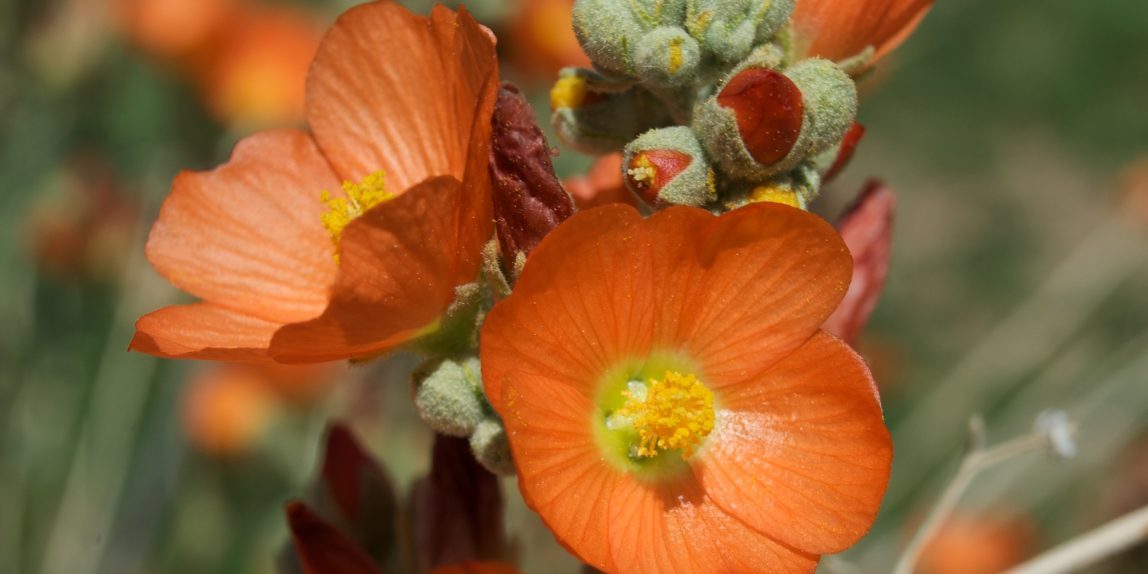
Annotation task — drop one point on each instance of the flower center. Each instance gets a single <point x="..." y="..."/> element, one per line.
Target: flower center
<point x="675" y="412"/>
<point x="360" y="197"/>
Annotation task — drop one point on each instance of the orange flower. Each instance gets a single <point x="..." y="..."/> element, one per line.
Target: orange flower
<point x="978" y="545"/>
<point x="670" y="402"/>
<point x="543" y="41"/>
<point x="399" y="109"/>
<point x="226" y="409"/>
<point x="839" y="29"/>
<point x="258" y="70"/>
<point x="174" y="29"/>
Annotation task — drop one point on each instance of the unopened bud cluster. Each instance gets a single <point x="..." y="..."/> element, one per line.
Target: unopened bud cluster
<point x="706" y="101"/>
<point x="448" y="396"/>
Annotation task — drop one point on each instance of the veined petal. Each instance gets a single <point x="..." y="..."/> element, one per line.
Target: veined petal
<point x="801" y="452"/>
<point x="246" y="236"/>
<point x="839" y="29"/>
<point x="739" y="292"/>
<point x="399" y="265"/>
<point x="561" y="472"/>
<point x="390" y="90"/>
<point x="571" y="328"/>
<point x="203" y="331"/>
<point x="675" y="527"/>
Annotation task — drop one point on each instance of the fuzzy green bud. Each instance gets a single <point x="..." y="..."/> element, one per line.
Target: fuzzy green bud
<point x="667" y="56"/>
<point x="730" y="29"/>
<point x="448" y="395"/>
<point x="668" y="167"/>
<point x="610" y="31"/>
<point x="796" y="188"/>
<point x="597" y="122"/>
<point x="763" y="122"/>
<point x="491" y="447"/>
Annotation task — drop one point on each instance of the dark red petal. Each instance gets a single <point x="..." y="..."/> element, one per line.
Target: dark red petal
<point x="867" y="229"/>
<point x="457" y="509"/>
<point x="845" y="152"/>
<point x="321" y="548"/>
<point x="769" y="108"/>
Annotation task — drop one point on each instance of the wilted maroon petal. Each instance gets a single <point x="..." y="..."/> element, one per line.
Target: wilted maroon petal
<point x="845" y="152"/>
<point x="322" y="548"/>
<point x="769" y="109"/>
<point x="457" y="509"/>
<point x="361" y="490"/>
<point x="867" y="229"/>
<point x="529" y="199"/>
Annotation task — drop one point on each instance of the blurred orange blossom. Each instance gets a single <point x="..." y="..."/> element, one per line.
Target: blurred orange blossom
<point x="670" y="401"/>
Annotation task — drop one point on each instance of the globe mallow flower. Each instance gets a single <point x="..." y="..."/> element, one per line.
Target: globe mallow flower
<point x="841" y="29"/>
<point x="670" y="401"/>
<point x="350" y="239"/>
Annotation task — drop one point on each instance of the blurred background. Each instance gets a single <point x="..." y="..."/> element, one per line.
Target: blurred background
<point x="1014" y="133"/>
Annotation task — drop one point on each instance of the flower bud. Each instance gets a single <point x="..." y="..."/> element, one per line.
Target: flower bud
<point x="491" y="447"/>
<point x="667" y="56"/>
<point x="601" y="122"/>
<point x="448" y="395"/>
<point x="763" y="122"/>
<point x="668" y="167"/>
<point x="731" y="28"/>
<point x="529" y="200"/>
<point x="609" y="31"/>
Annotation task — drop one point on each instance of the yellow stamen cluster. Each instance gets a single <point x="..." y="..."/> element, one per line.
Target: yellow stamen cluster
<point x="568" y="92"/>
<point x="676" y="412"/>
<point x="643" y="171"/>
<point x="775" y="194"/>
<point x="359" y="198"/>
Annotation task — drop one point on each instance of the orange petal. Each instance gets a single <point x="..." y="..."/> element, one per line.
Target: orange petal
<point x="203" y="331"/>
<point x="801" y="452"/>
<point x="603" y="185"/>
<point x="322" y="548"/>
<point x="676" y="527"/>
<point x="741" y="291"/>
<point x="395" y="91"/>
<point x="399" y="265"/>
<point x="578" y="307"/>
<point x="561" y="472"/>
<point x="839" y="29"/>
<point x="246" y="236"/>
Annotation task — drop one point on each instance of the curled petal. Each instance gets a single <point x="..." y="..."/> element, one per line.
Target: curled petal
<point x="203" y="331"/>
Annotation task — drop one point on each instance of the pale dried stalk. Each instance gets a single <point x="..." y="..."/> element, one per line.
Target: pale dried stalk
<point x="1090" y="548"/>
<point x="977" y="459"/>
